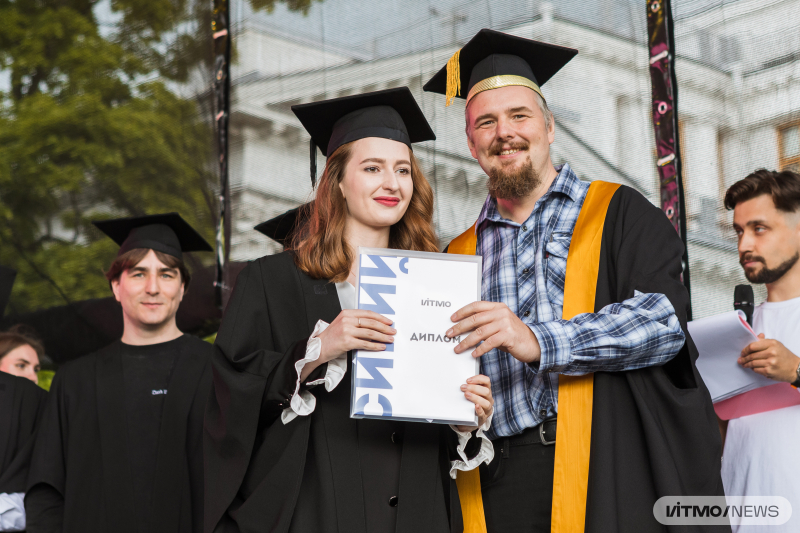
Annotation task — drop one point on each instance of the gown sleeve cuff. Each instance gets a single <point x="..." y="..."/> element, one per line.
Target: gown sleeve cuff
<point x="484" y="455"/>
<point x="303" y="402"/>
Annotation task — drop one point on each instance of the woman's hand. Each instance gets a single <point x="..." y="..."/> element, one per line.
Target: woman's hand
<point x="355" y="329"/>
<point x="478" y="390"/>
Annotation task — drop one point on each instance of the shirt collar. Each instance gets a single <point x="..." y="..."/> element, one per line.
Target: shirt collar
<point x="566" y="183"/>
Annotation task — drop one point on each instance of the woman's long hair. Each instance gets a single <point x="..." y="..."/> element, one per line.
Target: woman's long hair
<point x="319" y="245"/>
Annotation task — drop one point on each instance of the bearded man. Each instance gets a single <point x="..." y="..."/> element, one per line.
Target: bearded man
<point x="760" y="450"/>
<point x="582" y="323"/>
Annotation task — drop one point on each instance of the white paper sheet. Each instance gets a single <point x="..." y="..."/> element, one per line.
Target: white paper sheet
<point x="720" y="340"/>
<point x="420" y="379"/>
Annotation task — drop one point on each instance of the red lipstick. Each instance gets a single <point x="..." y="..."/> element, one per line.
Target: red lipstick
<point x="388" y="201"/>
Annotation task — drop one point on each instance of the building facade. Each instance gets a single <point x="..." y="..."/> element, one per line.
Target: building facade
<point x="739" y="108"/>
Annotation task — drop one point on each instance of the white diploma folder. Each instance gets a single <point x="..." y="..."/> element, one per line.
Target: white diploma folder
<point x="720" y="340"/>
<point x="419" y="377"/>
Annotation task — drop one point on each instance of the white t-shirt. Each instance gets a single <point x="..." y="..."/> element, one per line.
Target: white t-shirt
<point x="762" y="456"/>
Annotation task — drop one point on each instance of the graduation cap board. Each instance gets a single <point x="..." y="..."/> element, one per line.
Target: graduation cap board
<point x="7" y="276"/>
<point x="167" y="233"/>
<point x="390" y="114"/>
<point x="281" y="228"/>
<point x="493" y="59"/>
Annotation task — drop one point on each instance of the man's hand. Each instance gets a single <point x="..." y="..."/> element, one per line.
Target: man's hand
<point x="770" y="358"/>
<point x="495" y="325"/>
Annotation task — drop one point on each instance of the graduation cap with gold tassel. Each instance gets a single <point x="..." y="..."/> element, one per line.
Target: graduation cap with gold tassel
<point x="493" y="59"/>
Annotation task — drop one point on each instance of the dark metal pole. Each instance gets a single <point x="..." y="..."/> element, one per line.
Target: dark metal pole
<point x="661" y="42"/>
<point x="220" y="26"/>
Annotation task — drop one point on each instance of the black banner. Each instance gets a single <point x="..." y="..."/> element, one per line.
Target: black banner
<point x="220" y="26"/>
<point x="661" y="41"/>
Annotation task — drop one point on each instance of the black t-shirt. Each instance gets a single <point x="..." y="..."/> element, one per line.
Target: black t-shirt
<point x="69" y="487"/>
<point x="146" y="373"/>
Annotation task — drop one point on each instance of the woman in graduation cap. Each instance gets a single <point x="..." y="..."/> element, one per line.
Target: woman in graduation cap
<point x="282" y="453"/>
<point x="119" y="448"/>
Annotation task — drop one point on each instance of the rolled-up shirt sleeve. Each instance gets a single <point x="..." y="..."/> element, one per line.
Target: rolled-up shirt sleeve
<point x="639" y="332"/>
<point x="303" y="402"/>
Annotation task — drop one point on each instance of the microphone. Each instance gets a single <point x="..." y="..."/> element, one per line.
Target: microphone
<point x="743" y="301"/>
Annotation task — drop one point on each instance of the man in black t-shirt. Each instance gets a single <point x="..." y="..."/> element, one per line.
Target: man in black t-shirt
<point x="120" y="445"/>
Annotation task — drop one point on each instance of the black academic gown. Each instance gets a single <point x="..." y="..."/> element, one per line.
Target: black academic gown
<point x="81" y="453"/>
<point x="317" y="473"/>
<point x="654" y="431"/>
<point x="21" y="407"/>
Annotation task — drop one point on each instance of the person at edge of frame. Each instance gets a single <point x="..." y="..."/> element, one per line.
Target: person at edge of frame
<point x="21" y="407"/>
<point x="120" y="445"/>
<point x="649" y="429"/>
<point x="760" y="450"/>
<point x="21" y="352"/>
<point x="279" y="457"/>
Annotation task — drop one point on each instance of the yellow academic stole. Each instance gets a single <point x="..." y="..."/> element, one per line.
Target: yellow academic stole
<point x="575" y="393"/>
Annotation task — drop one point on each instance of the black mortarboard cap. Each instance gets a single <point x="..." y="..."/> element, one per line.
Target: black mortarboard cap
<point x="167" y="233"/>
<point x="389" y="114"/>
<point x="7" y="276"/>
<point x="493" y="59"/>
<point x="282" y="227"/>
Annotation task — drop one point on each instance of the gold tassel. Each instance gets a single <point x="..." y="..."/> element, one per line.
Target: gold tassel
<point x="453" y="88"/>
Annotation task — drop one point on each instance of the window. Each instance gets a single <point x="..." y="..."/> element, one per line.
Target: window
<point x="789" y="147"/>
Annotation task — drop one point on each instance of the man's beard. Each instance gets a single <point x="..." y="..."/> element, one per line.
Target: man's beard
<point x="768" y="275"/>
<point x="512" y="183"/>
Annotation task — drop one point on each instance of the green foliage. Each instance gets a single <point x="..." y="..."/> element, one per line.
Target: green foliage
<point x="294" y="5"/>
<point x="90" y="129"/>
<point x="95" y="125"/>
<point x="46" y="379"/>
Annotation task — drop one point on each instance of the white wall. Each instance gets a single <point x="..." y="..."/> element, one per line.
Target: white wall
<point x="272" y="55"/>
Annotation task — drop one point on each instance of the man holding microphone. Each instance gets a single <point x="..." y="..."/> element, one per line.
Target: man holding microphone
<point x="760" y="455"/>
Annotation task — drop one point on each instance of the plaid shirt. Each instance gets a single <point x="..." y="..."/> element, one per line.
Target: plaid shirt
<point x="524" y="266"/>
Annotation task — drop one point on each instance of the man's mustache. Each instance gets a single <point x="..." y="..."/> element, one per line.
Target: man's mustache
<point x="497" y="147"/>
<point x="750" y="257"/>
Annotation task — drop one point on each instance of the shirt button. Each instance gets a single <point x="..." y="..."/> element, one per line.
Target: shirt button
<point x="526" y="313"/>
<point x="393" y="501"/>
<point x="524" y="228"/>
<point x="524" y="270"/>
<point x="397" y="438"/>
<point x="543" y="412"/>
